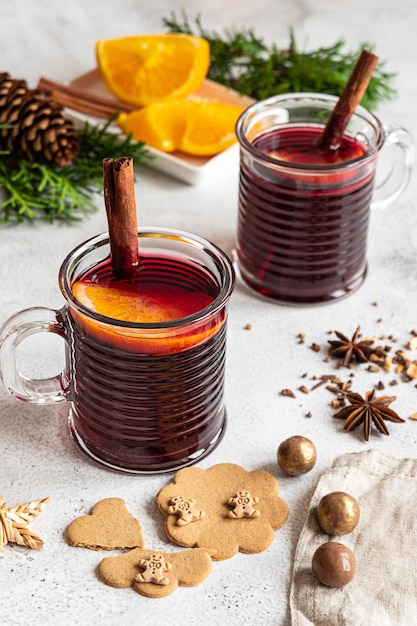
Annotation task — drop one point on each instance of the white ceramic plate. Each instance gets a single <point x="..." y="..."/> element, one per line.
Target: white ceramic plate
<point x="186" y="168"/>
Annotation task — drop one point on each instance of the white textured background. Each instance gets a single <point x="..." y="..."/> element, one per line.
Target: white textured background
<point x="59" y="584"/>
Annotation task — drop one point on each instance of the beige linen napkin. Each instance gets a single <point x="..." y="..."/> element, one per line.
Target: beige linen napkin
<point x="384" y="590"/>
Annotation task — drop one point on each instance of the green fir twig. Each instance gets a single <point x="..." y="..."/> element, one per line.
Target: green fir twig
<point x="33" y="191"/>
<point x="241" y="60"/>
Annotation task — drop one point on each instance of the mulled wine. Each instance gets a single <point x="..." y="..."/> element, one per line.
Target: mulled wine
<point x="303" y="220"/>
<point x="151" y="394"/>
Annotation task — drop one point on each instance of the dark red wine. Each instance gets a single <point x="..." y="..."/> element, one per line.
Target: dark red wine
<point x="149" y="399"/>
<point x="302" y="230"/>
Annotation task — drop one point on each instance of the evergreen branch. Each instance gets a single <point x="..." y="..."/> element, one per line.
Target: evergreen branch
<point x="34" y="191"/>
<point x="242" y="61"/>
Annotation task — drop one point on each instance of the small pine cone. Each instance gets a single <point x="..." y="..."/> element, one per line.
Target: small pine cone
<point x="36" y="129"/>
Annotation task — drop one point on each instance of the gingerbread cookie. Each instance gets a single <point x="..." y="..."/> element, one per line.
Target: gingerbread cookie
<point x="110" y="526"/>
<point x="232" y="509"/>
<point x="156" y="574"/>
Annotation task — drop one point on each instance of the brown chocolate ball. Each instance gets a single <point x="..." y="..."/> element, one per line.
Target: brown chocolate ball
<point x="338" y="513"/>
<point x="296" y="455"/>
<point x="334" y="564"/>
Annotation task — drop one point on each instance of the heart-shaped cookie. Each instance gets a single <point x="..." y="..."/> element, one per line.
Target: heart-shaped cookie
<point x="109" y="526"/>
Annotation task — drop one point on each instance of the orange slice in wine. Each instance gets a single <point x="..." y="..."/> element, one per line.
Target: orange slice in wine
<point x="127" y="303"/>
<point x="156" y="305"/>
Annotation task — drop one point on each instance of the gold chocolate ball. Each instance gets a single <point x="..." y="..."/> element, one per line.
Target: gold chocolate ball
<point x="338" y="513"/>
<point x="296" y="455"/>
<point x="334" y="564"/>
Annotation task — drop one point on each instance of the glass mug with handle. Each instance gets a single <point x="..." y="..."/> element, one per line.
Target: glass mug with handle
<point x="303" y="214"/>
<point x="145" y="396"/>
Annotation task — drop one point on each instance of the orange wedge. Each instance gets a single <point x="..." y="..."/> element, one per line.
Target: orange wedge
<point x="197" y="127"/>
<point x="141" y="69"/>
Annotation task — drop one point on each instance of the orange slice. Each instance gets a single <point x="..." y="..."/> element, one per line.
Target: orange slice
<point x="197" y="127"/>
<point x="127" y="305"/>
<point x="130" y="305"/>
<point x="141" y="69"/>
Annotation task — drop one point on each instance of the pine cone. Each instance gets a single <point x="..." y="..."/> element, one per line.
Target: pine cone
<point x="36" y="129"/>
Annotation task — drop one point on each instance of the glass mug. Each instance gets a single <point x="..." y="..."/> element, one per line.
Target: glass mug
<point x="303" y="218"/>
<point x="144" y="397"/>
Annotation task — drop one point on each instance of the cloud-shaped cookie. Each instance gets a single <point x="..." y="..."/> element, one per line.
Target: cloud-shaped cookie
<point x="110" y="526"/>
<point x="156" y="574"/>
<point x="232" y="509"/>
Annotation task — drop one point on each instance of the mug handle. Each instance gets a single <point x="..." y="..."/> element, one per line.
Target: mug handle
<point x="17" y="328"/>
<point x="396" y="179"/>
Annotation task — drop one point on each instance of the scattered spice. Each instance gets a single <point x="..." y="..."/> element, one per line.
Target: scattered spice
<point x="301" y="337"/>
<point x="323" y="379"/>
<point x="287" y="392"/>
<point x="248" y="327"/>
<point x="369" y="410"/>
<point x="412" y="370"/>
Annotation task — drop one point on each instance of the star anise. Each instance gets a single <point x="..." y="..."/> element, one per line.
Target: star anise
<point x="369" y="410"/>
<point x="347" y="349"/>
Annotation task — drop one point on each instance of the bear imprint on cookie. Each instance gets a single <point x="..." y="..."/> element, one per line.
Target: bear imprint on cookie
<point x="185" y="509"/>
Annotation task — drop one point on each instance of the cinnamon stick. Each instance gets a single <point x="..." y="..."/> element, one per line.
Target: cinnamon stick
<point x="82" y="101"/>
<point x="119" y="199"/>
<point x="348" y="101"/>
